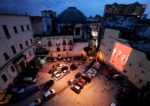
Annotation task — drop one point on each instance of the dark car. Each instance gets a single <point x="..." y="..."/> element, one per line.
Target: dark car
<point x="48" y="94"/>
<point x="80" y="84"/>
<point x="49" y="59"/>
<point x="88" y="80"/>
<point x="47" y="85"/>
<point x="78" y="75"/>
<point x="73" y="67"/>
<point x="21" y="95"/>
<point x="76" y="88"/>
<point x="52" y="70"/>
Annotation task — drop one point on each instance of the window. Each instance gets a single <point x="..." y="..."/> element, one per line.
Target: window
<point x="49" y="43"/>
<point x="6" y="31"/>
<point x="13" y="49"/>
<point x="28" y="27"/>
<point x="30" y="53"/>
<point x="4" y="78"/>
<point x="27" y="44"/>
<point x="31" y="40"/>
<point x="12" y="69"/>
<point x="21" y="47"/>
<point x="77" y="31"/>
<point x="70" y="42"/>
<point x="58" y="49"/>
<point x="64" y="48"/>
<point x="15" y="30"/>
<point x="70" y="48"/>
<point x="6" y="56"/>
<point x="64" y="42"/>
<point x="22" y="28"/>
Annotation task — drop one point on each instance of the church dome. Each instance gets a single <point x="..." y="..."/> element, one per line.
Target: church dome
<point x="72" y="16"/>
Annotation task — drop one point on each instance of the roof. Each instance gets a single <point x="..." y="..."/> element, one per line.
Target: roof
<point x="11" y="14"/>
<point x="72" y="16"/>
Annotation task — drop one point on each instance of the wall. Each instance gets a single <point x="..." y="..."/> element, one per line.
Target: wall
<point x="136" y="67"/>
<point x="16" y="39"/>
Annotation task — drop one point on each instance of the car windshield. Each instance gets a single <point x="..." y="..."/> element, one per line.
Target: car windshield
<point x="57" y="75"/>
<point x="47" y="93"/>
<point x="77" y="87"/>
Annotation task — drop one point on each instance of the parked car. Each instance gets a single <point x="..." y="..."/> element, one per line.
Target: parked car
<point x="48" y="94"/>
<point x="89" y="75"/>
<point x="49" y="59"/>
<point x="24" y="94"/>
<point x="80" y="84"/>
<point x="92" y="72"/>
<point x="78" y="75"/>
<point x="88" y="80"/>
<point x="57" y="75"/>
<point x="36" y="102"/>
<point x="73" y="67"/>
<point x="47" y="85"/>
<point x="16" y="90"/>
<point x="52" y="70"/>
<point x="61" y="65"/>
<point x="82" y="80"/>
<point x="117" y="77"/>
<point x="71" y="81"/>
<point x="76" y="88"/>
<point x="30" y="79"/>
<point x="65" y="70"/>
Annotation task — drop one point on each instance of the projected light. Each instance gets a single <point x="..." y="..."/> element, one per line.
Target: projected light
<point x="120" y="55"/>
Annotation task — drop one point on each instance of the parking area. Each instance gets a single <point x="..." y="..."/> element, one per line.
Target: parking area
<point x="100" y="91"/>
<point x="92" y="93"/>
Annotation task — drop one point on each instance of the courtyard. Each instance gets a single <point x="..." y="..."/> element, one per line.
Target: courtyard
<point x="100" y="92"/>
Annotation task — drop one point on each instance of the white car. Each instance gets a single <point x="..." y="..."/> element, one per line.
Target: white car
<point x="49" y="93"/>
<point x="92" y="72"/>
<point x="71" y="81"/>
<point x="58" y="75"/>
<point x="30" y="79"/>
<point x="61" y="65"/>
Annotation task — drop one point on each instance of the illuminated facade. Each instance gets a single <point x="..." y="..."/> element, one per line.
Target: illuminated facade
<point x="130" y="62"/>
<point x="120" y="55"/>
<point x="135" y="9"/>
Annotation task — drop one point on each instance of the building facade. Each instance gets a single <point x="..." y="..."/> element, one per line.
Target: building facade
<point x="61" y="45"/>
<point x="17" y="46"/>
<point x="134" y="9"/>
<point x="129" y="61"/>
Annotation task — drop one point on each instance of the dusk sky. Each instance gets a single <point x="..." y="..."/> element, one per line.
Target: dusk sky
<point x="88" y="7"/>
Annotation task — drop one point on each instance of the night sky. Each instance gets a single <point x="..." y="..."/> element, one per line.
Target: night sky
<point x="88" y="7"/>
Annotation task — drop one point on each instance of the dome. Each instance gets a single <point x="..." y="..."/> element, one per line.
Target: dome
<point x="72" y="16"/>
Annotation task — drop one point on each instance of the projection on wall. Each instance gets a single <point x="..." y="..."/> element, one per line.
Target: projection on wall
<point x="120" y="55"/>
